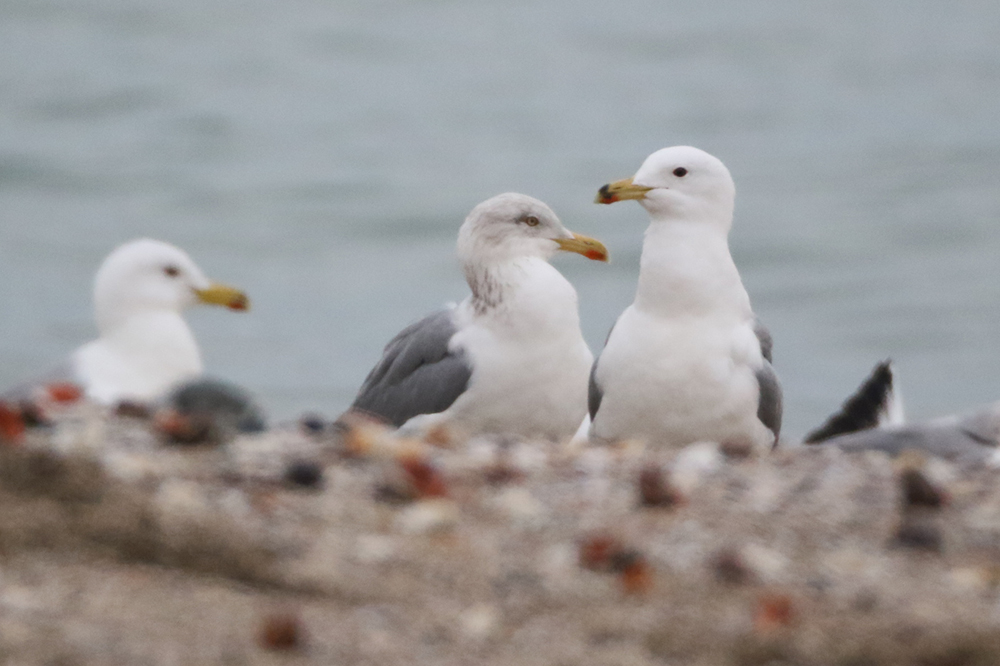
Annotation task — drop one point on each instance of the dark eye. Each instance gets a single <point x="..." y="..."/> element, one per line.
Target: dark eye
<point x="531" y="221"/>
<point x="171" y="271"/>
<point x="680" y="172"/>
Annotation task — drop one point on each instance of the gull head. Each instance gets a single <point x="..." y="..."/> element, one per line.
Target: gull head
<point x="513" y="226"/>
<point x="148" y="276"/>
<point x="677" y="182"/>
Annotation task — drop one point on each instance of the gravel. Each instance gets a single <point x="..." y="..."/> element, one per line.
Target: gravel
<point x="324" y="545"/>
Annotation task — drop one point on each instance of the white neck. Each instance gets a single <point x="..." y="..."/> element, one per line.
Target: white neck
<point x="686" y="269"/>
<point x="158" y="338"/>
<point x="140" y="358"/>
<point x="528" y="292"/>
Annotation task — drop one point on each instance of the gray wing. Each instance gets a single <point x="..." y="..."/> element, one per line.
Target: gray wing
<point x="769" y="404"/>
<point x="417" y="374"/>
<point x="764" y="337"/>
<point x="769" y="407"/>
<point x="950" y="441"/>
<point x="594" y="392"/>
<point x="983" y="426"/>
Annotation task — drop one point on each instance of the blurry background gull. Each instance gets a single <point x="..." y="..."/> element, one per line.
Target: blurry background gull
<point x="144" y="346"/>
<point x="872" y="419"/>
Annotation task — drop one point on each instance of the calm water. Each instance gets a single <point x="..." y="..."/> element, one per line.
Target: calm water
<point x="322" y="154"/>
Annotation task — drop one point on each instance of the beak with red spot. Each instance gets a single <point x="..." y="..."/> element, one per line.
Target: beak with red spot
<point x="621" y="190"/>
<point x="585" y="245"/>
<point x="220" y="294"/>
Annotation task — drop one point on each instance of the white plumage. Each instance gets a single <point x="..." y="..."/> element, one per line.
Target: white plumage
<point x="510" y="358"/>
<point x="144" y="346"/>
<point x="530" y="361"/>
<point x="686" y="361"/>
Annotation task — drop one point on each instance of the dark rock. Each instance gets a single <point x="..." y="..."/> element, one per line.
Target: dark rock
<point x="304" y="474"/>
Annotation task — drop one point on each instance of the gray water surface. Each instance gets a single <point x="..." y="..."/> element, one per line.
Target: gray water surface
<point x="321" y="155"/>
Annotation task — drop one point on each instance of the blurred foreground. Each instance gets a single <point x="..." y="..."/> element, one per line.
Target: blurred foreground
<point x="353" y="547"/>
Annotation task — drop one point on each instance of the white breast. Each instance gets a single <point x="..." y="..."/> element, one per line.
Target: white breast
<point x="140" y="360"/>
<point x="677" y="380"/>
<point x="530" y="361"/>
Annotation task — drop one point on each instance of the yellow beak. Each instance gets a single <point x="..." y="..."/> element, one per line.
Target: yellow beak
<point x="620" y="190"/>
<point x="588" y="247"/>
<point x="220" y="294"/>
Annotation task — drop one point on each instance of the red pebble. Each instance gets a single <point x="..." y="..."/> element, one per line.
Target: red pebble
<point x="655" y="489"/>
<point x="636" y="574"/>
<point x="281" y="631"/>
<point x="597" y="552"/>
<point x="729" y="567"/>
<point x="64" y="392"/>
<point x="177" y="426"/>
<point x="11" y="424"/>
<point x="774" y="611"/>
<point x="425" y="478"/>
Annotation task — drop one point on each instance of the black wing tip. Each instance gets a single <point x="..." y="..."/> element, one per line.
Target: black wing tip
<point x="863" y="410"/>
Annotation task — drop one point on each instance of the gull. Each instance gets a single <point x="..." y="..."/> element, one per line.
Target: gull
<point x="144" y="347"/>
<point x="688" y="361"/>
<point x="871" y="419"/>
<point x="510" y="359"/>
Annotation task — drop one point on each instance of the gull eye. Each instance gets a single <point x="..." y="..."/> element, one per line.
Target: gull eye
<point x="531" y="221"/>
<point x="680" y="172"/>
<point x="171" y="271"/>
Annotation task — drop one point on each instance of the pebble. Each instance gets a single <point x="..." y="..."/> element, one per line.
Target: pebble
<point x="267" y="455"/>
<point x="918" y="491"/>
<point x="304" y="474"/>
<point x="11" y="424"/>
<point x="655" y="490"/>
<point x="519" y="506"/>
<point x="312" y="424"/>
<point x="769" y="565"/>
<point x="919" y="535"/>
<point x="428" y="516"/>
<point x="597" y="551"/>
<point x="180" y="499"/>
<point x="773" y="612"/>
<point x="729" y="566"/>
<point x="479" y="622"/>
<point x="281" y="631"/>
<point x="423" y="476"/>
<point x="593" y="462"/>
<point x="694" y="464"/>
<point x="974" y="579"/>
<point x="85" y="432"/>
<point x="129" y="467"/>
<point x="375" y="548"/>
<point x="530" y="457"/>
<point x="635" y="571"/>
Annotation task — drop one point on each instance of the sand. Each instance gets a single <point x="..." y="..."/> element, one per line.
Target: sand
<point x="121" y="548"/>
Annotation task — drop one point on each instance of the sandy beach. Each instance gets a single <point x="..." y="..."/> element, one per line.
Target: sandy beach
<point x="121" y="548"/>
